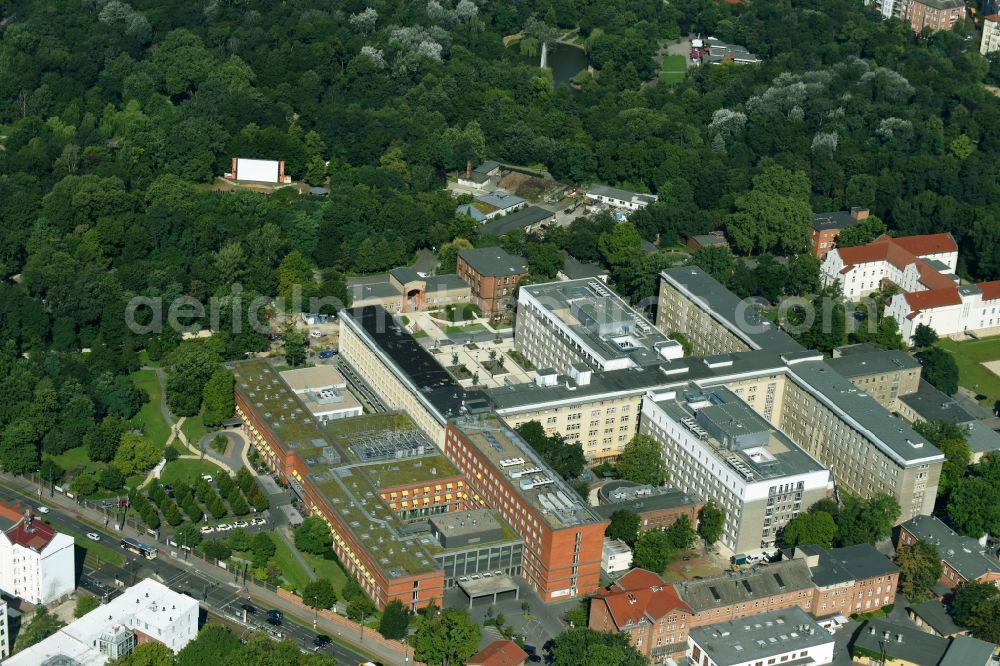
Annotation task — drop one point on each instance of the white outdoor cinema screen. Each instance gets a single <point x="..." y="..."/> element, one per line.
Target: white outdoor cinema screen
<point x="260" y="170"/>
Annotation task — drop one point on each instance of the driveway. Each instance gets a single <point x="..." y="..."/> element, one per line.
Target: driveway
<point x="233" y="455"/>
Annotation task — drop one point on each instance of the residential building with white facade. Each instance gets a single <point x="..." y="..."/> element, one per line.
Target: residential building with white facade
<point x="147" y="611"/>
<point x="616" y="556"/>
<point x="618" y="198"/>
<point x="923" y="267"/>
<point x="912" y="263"/>
<point x="991" y="34"/>
<point x="4" y="631"/>
<point x="36" y="562"/>
<point x="786" y="636"/>
<point x="582" y="325"/>
<point x="715" y="445"/>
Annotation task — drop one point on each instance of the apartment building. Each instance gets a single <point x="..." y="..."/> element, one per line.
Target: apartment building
<point x="36" y="561"/>
<point x="148" y="611"/>
<point x="884" y="375"/>
<point x="714" y="319"/>
<point x="648" y="610"/>
<point x="827" y="226"/>
<point x="963" y="559"/>
<point x="782" y="636"/>
<point x="991" y="34"/>
<point x="657" y="508"/>
<point x="932" y="14"/>
<point x="492" y="274"/>
<point x="581" y="325"/>
<point x="716" y="446"/>
<point x="904" y="645"/>
<point x="563" y="537"/>
<point x="949" y="310"/>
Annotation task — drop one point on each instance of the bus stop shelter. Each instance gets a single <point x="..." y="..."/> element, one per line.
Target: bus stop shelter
<point x="492" y="586"/>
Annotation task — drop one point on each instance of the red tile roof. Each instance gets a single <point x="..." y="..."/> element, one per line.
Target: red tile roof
<point x="499" y="653"/>
<point x="33" y="534"/>
<point x="931" y="278"/>
<point x="934" y="298"/>
<point x="641" y="593"/>
<point x="927" y="244"/>
<point x="991" y="290"/>
<point x="900" y="252"/>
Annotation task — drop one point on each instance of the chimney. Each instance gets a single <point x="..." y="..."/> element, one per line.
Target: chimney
<point x="234" y="168"/>
<point x="468" y="168"/>
<point x="281" y="171"/>
<point x="859" y="213"/>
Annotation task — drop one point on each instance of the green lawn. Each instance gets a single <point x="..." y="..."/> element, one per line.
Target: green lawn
<point x="72" y="458"/>
<point x="155" y="428"/>
<point x="188" y="470"/>
<point x="969" y="355"/>
<point x="673" y="70"/>
<point x="471" y="328"/>
<point x="195" y="429"/>
<point x="293" y="573"/>
<point x="328" y="569"/>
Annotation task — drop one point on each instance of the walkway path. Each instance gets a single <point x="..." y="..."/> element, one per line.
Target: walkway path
<point x="286" y="535"/>
<point x="161" y="378"/>
<point x="232" y="458"/>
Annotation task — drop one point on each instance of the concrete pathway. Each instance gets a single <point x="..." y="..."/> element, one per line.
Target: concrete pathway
<point x="285" y="535"/>
<point x="232" y="458"/>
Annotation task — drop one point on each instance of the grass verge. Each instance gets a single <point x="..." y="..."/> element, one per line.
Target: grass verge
<point x="153" y="424"/>
<point x="972" y="374"/>
<point x="188" y="470"/>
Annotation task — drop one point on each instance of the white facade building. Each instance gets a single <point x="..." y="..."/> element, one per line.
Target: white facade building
<point x="912" y="263"/>
<point x="787" y="636"/>
<point x="36" y="562"/>
<point x="260" y="171"/>
<point x="923" y="267"/>
<point x="578" y="326"/>
<point x="616" y="556"/>
<point x="617" y="198"/>
<point x="324" y="392"/>
<point x="4" y="631"/>
<point x="146" y="611"/>
<point x="991" y="34"/>
<point x="717" y="446"/>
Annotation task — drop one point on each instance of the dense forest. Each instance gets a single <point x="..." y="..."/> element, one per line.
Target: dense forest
<point x="116" y="117"/>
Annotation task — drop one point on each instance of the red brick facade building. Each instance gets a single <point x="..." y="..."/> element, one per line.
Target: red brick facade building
<point x="962" y="558"/>
<point x="827" y="226"/>
<point x="492" y="274"/>
<point x="562" y="547"/>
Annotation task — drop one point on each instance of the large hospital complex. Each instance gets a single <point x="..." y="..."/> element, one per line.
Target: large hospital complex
<point x="438" y="490"/>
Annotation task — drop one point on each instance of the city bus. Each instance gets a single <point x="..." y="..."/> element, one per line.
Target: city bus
<point x="138" y="548"/>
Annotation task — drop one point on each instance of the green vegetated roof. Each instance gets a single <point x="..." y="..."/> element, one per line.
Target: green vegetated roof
<point x="349" y="485"/>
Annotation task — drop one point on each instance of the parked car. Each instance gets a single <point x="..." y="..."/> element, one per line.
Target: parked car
<point x="43" y="509"/>
<point x="258" y="521"/>
<point x="223" y="528"/>
<point x="316" y="335"/>
<point x="207" y="529"/>
<point x="241" y="523"/>
<point x="326" y="353"/>
<point x="93" y="536"/>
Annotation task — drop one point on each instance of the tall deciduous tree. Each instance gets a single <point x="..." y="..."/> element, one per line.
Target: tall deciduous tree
<point x="919" y="569"/>
<point x="313" y="536"/>
<point x="218" y="396"/>
<point x="711" y="521"/>
<point x="641" y="460"/>
<point x="809" y="529"/>
<point x="582" y="646"/>
<point x="447" y="639"/>
<point x="940" y="370"/>
<point x="652" y="551"/>
<point x="624" y="526"/>
<point x="395" y="619"/>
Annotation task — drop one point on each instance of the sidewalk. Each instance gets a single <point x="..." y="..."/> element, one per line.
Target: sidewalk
<point x="352" y="634"/>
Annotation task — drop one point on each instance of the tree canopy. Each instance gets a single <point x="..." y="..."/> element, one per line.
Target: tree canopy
<point x="641" y="460"/>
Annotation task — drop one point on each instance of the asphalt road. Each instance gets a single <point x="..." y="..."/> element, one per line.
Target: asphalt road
<point x="218" y="594"/>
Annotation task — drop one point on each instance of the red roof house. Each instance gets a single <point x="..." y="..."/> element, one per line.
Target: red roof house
<point x="499" y="653"/>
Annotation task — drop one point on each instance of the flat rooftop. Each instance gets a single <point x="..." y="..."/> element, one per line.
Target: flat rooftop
<point x="772" y="455"/>
<point x="551" y="498"/>
<point x="607" y="325"/>
<point x="934" y="405"/>
<point x="739" y="316"/>
<point x="877" y="361"/>
<point x="761" y="636"/>
<point x="349" y="461"/>
<point x="737" y="587"/>
<point x="407" y="357"/>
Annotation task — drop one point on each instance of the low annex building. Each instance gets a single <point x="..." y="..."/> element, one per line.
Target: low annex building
<point x="827" y="226"/>
<point x="782" y="636"/>
<point x="37" y="563"/>
<point x="146" y="612"/>
<point x="619" y="198"/>
<point x="406" y="290"/>
<point x="657" y="508"/>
